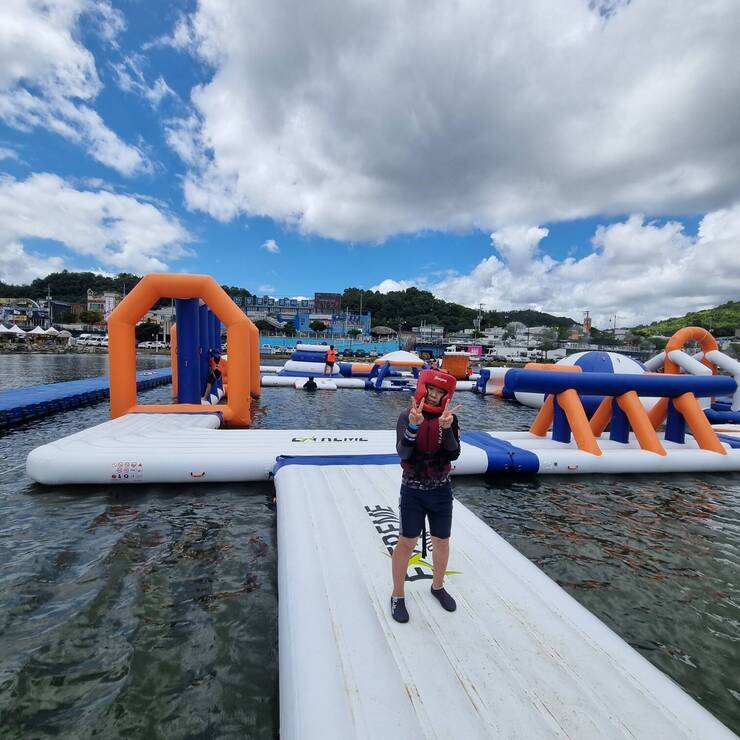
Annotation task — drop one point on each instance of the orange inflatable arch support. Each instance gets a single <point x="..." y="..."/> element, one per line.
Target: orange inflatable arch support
<point x="242" y="338"/>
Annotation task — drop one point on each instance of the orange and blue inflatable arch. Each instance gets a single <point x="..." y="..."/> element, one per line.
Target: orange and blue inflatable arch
<point x="198" y="328"/>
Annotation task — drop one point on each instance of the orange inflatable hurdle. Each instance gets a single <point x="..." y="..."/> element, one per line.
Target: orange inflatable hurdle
<point x="242" y="337"/>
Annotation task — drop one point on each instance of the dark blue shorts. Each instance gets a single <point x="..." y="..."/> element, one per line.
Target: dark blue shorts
<point x="436" y="505"/>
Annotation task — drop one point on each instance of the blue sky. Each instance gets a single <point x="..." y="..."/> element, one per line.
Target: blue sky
<point x="488" y="153"/>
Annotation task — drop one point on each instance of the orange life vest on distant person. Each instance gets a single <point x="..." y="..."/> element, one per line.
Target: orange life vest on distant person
<point x="331" y="355"/>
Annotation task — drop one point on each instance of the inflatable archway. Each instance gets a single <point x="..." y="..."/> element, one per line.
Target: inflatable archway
<point x="242" y="338"/>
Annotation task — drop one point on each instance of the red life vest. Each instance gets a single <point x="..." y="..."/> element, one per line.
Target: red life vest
<point x="426" y="460"/>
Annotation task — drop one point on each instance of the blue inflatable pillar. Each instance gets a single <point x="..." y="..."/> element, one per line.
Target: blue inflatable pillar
<point x="203" y="345"/>
<point x="619" y="429"/>
<point x="188" y="356"/>
<point x="211" y="331"/>
<point x="560" y="426"/>
<point x="675" y="425"/>
<point x="381" y="374"/>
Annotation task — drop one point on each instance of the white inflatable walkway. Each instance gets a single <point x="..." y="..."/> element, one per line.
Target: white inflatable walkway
<point x="178" y="448"/>
<point x="518" y="659"/>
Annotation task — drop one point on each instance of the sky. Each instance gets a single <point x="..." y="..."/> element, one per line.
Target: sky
<point x="564" y="157"/>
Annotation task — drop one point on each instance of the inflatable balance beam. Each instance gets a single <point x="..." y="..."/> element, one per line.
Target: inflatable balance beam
<point x="609" y="384"/>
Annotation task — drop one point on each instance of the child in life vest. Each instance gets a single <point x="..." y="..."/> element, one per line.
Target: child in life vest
<point x="427" y="441"/>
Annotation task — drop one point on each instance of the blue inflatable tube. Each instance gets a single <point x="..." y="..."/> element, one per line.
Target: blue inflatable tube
<point x="611" y="384"/>
<point x="722" y="417"/>
<point x="306" y="356"/>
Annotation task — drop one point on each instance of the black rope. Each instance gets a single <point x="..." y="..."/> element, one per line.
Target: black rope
<point x="424" y="539"/>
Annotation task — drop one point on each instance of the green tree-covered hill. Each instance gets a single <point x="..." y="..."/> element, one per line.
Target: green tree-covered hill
<point x="410" y="307"/>
<point x="721" y="321"/>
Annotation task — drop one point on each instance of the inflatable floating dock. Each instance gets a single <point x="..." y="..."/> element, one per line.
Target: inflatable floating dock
<point x="518" y="659"/>
<point x="18" y="405"/>
<point x="152" y="446"/>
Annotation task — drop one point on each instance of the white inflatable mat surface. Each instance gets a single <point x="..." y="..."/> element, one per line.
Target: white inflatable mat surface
<point x="518" y="659"/>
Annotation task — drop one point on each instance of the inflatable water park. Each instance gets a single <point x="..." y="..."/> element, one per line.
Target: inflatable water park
<point x="522" y="658"/>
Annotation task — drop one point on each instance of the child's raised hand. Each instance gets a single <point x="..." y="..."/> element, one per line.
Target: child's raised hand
<point x="415" y="415"/>
<point x="445" y="419"/>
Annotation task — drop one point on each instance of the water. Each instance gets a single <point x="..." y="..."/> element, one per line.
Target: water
<point x="152" y="610"/>
<point x="24" y="369"/>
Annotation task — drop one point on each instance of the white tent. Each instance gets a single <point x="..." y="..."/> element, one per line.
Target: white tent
<point x="4" y="330"/>
<point x="52" y="332"/>
<point x="37" y="331"/>
<point x="15" y="329"/>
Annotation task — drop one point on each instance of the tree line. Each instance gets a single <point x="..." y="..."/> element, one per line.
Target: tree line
<point x="414" y="307"/>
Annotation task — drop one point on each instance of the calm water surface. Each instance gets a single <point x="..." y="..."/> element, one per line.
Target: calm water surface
<point x="151" y="611"/>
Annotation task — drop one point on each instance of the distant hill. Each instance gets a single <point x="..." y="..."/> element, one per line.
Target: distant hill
<point x="410" y="307"/>
<point x="722" y="321"/>
<point x="70" y="287"/>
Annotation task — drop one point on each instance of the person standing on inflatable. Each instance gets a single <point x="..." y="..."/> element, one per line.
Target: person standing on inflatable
<point x="427" y="441"/>
<point x="331" y="358"/>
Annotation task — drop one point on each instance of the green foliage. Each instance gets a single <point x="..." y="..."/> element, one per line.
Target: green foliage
<point x="317" y="326"/>
<point x="721" y="321"/>
<point x="354" y="332"/>
<point x="264" y="326"/>
<point x="412" y="306"/>
<point x="91" y="317"/>
<point x="235" y="292"/>
<point x="70" y="287"/>
<point x="147" y="331"/>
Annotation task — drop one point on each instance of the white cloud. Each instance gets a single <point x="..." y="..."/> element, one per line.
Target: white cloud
<point x="364" y="120"/>
<point x="182" y="36"/>
<point x="117" y="231"/>
<point x="517" y="244"/>
<point x="6" y="153"/>
<point x="48" y="79"/>
<point x="640" y="270"/>
<point x="388" y="285"/>
<point x="271" y="246"/>
<point x="265" y="288"/>
<point x="21" y="267"/>
<point x="131" y="78"/>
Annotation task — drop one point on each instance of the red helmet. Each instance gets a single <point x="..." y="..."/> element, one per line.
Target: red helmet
<point x="439" y="379"/>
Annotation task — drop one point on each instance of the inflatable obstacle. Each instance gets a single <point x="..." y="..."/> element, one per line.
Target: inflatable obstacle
<point x="519" y="658"/>
<point x="201" y="307"/>
<point x="674" y="360"/>
<point x="621" y="437"/>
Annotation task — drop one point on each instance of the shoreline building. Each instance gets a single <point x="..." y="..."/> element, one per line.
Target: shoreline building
<point x="25" y="312"/>
<point x="300" y="312"/>
<point x="104" y="302"/>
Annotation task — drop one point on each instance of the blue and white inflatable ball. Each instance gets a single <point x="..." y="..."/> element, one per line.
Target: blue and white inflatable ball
<point x="603" y="362"/>
<point x="591" y="361"/>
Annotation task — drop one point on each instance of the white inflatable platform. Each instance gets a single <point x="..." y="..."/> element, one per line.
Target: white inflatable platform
<point x="519" y="658"/>
<point x="177" y="448"/>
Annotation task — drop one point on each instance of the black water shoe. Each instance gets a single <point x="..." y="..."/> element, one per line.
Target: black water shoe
<point x="444" y="598"/>
<point x="398" y="609"/>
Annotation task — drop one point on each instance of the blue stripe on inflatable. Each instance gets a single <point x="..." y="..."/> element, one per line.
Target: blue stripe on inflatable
<point x="304" y="374"/>
<point x="282" y="460"/>
<point x="728" y="439"/>
<point x="722" y="417"/>
<point x="595" y="362"/>
<point x="722" y="406"/>
<point x="502" y="455"/>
